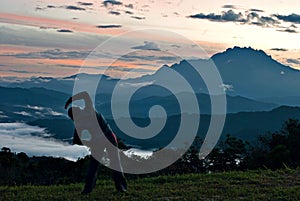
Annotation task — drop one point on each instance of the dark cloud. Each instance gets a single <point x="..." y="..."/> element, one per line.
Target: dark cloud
<point x="256" y="10"/>
<point x="117" y="68"/>
<point x="114" y="12"/>
<point x="261" y="21"/>
<point x="64" y="31"/>
<point x="85" y="3"/>
<point x="288" y="30"/>
<point x="129" y="6"/>
<point x="246" y="18"/>
<point x="147" y="46"/>
<point x="293" y="26"/>
<point x="112" y="2"/>
<point x="51" y="6"/>
<point x="293" y="61"/>
<point x="129" y="12"/>
<point x="295" y="18"/>
<point x="176" y="46"/>
<point x="127" y="69"/>
<point x="158" y="59"/>
<point x="39" y="8"/>
<point x="279" y="49"/>
<point x="230" y="6"/>
<point x="68" y="66"/>
<point x="74" y="8"/>
<point x="109" y="26"/>
<point x="46" y="27"/>
<point x="52" y="54"/>
<point x="22" y="71"/>
<point x="227" y="16"/>
<point x="138" y="18"/>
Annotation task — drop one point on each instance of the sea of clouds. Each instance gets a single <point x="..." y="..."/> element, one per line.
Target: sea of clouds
<point x="35" y="141"/>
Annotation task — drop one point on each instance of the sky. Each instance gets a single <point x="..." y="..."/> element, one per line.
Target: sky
<point x="53" y="38"/>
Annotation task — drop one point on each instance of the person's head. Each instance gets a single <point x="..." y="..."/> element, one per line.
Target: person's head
<point x="72" y="111"/>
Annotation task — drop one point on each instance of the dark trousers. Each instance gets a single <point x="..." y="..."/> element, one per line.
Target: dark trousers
<point x="91" y="177"/>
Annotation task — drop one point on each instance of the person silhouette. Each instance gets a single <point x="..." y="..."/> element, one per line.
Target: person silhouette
<point x="97" y="136"/>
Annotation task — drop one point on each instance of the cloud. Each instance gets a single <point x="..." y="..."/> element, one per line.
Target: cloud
<point x="35" y="107"/>
<point x="279" y="49"/>
<point x="293" y="61"/>
<point x="129" y="12"/>
<point x="109" y="26"/>
<point x="114" y="12"/>
<point x="64" y="31"/>
<point x="261" y="21"/>
<point x="129" y="6"/>
<point x="20" y="71"/>
<point x="74" y="8"/>
<point x="134" y="57"/>
<point x="51" y="6"/>
<point x="20" y="137"/>
<point x="226" y="87"/>
<point x="294" y="18"/>
<point x="256" y="10"/>
<point x="229" y="6"/>
<point x="128" y="69"/>
<point x="52" y="54"/>
<point x="85" y="3"/>
<point x="147" y="46"/>
<point x="39" y="8"/>
<point x="44" y="110"/>
<point x="23" y="113"/>
<point x="176" y="46"/>
<point x="138" y="18"/>
<point x="112" y="2"/>
<point x="33" y="37"/>
<point x="230" y="16"/>
<point x="2" y="115"/>
<point x="288" y="30"/>
<point x="38" y="111"/>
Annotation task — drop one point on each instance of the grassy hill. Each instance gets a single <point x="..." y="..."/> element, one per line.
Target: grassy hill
<point x="250" y="185"/>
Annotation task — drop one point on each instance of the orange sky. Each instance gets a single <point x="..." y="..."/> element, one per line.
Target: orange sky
<point x="43" y="29"/>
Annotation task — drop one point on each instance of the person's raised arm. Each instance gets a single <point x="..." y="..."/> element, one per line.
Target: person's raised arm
<point x="82" y="95"/>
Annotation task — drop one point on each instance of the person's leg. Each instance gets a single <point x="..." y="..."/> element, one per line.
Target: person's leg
<point x="120" y="181"/>
<point x="91" y="176"/>
<point x="117" y="174"/>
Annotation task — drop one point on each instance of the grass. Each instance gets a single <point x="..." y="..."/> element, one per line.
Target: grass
<point x="250" y="185"/>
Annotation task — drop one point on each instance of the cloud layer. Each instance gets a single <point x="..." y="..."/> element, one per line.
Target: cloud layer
<point x="20" y="137"/>
<point x="252" y="17"/>
<point x="294" y="18"/>
<point x="147" y="46"/>
<point x="243" y="18"/>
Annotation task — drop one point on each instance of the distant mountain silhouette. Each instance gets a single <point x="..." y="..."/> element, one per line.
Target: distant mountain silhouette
<point x="254" y="74"/>
<point x="140" y="107"/>
<point x="19" y="104"/>
<point x="244" y="125"/>
<point x="245" y="72"/>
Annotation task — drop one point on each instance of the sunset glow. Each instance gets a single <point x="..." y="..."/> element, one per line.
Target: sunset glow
<point x="34" y="33"/>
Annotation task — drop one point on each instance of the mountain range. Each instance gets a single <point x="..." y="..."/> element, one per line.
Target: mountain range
<point x="257" y="90"/>
<point x="245" y="72"/>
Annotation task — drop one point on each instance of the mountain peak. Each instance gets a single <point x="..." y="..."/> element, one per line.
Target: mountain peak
<point x="243" y="51"/>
